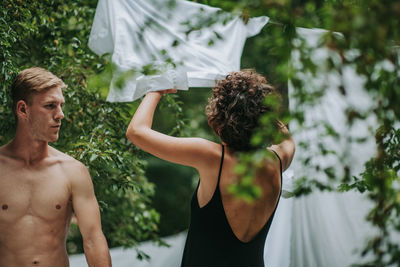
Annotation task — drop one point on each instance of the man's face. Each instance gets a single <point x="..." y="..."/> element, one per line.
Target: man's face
<point x="45" y="114"/>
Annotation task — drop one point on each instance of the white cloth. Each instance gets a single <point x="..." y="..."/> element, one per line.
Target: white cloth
<point x="160" y="256"/>
<point x="134" y="32"/>
<point x="329" y="229"/>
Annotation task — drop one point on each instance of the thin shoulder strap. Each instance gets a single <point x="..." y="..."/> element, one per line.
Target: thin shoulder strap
<point x="280" y="161"/>
<point x="220" y="165"/>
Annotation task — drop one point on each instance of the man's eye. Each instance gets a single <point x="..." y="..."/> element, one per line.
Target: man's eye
<point x="50" y="106"/>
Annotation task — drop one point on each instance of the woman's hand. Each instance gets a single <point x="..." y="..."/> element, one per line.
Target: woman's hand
<point x="286" y="148"/>
<point x="163" y="92"/>
<point x="168" y="91"/>
<point x="282" y="127"/>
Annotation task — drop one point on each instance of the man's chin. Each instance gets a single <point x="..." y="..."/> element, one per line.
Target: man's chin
<point x="53" y="139"/>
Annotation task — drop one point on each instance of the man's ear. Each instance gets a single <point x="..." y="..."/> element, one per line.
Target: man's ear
<point x="21" y="109"/>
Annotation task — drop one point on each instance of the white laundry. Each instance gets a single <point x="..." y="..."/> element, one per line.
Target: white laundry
<point x="121" y="28"/>
<point x="327" y="228"/>
<point x="160" y="256"/>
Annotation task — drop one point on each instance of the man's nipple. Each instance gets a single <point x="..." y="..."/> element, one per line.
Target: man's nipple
<point x="4" y="207"/>
<point x="58" y="206"/>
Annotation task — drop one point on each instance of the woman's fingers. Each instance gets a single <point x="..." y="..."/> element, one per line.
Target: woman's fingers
<point x="167" y="91"/>
<point x="170" y="91"/>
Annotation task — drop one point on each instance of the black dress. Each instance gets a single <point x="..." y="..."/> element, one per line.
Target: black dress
<point x="211" y="242"/>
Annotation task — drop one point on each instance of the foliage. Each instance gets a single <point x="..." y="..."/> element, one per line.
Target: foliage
<point x="174" y="185"/>
<point x="53" y="34"/>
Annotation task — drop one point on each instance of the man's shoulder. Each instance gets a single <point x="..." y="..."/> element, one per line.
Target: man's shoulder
<point x="5" y="154"/>
<point x="68" y="163"/>
<point x="2" y="150"/>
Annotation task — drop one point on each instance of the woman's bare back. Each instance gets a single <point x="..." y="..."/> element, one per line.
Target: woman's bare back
<point x="245" y="219"/>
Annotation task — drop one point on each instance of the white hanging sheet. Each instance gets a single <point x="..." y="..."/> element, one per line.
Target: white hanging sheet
<point x="329" y="229"/>
<point x="160" y="256"/>
<point x="134" y="32"/>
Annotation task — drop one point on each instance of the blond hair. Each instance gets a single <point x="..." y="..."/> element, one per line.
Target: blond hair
<point x="31" y="81"/>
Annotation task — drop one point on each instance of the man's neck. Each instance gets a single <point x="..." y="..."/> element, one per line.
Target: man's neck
<point x="25" y="148"/>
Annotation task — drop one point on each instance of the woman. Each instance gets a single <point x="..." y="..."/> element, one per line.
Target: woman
<point x="224" y="230"/>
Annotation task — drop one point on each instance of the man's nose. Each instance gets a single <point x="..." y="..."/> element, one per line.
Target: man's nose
<point x="60" y="114"/>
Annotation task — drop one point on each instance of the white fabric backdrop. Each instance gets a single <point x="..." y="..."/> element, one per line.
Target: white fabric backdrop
<point x="160" y="256"/>
<point x="329" y="229"/>
<point x="122" y="29"/>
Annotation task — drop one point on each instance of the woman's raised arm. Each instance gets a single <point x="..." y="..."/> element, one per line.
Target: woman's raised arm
<point x="193" y="152"/>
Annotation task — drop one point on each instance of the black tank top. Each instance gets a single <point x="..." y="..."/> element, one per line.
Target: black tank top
<point x="211" y="242"/>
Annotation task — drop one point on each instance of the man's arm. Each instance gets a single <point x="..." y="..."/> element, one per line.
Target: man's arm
<point x="87" y="213"/>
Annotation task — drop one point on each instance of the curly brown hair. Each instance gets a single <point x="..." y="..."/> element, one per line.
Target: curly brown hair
<point x="235" y="107"/>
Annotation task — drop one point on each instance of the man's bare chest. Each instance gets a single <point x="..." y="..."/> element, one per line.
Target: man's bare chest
<point x="41" y="193"/>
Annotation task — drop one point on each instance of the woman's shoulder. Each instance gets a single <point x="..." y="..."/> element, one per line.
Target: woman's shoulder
<point x="271" y="166"/>
<point x="208" y="150"/>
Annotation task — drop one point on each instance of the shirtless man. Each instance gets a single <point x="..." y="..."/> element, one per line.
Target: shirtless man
<point x="40" y="186"/>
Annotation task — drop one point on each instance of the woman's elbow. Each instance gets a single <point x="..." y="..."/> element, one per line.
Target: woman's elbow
<point x="132" y="134"/>
<point x="288" y="149"/>
<point x="293" y="147"/>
